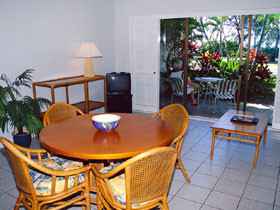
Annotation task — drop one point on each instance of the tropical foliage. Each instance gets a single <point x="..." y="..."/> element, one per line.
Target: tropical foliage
<point x="261" y="74"/>
<point x="214" y="48"/>
<point x="16" y="111"/>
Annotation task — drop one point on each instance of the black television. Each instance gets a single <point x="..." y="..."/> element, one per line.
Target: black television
<point x="118" y="83"/>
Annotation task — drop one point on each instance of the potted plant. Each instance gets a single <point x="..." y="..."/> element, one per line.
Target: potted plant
<point x="20" y="112"/>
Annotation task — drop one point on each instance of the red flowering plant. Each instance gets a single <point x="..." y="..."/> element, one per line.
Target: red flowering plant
<point x="209" y="64"/>
<point x="262" y="81"/>
<point x="192" y="49"/>
<point x="261" y="70"/>
<point x="177" y="53"/>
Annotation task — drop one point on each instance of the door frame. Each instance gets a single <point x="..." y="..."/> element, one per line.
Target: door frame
<point x="276" y="108"/>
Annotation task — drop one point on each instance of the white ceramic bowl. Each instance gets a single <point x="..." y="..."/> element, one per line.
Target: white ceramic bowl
<point x="106" y="122"/>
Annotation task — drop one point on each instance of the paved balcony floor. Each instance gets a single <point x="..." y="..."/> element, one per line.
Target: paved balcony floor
<point x="208" y="109"/>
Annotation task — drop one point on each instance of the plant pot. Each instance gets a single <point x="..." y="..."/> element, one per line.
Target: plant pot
<point x="23" y="140"/>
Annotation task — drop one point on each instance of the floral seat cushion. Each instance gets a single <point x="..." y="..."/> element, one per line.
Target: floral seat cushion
<point x="117" y="185"/>
<point x="43" y="182"/>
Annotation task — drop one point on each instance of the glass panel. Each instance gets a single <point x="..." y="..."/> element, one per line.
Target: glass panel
<point x="214" y="44"/>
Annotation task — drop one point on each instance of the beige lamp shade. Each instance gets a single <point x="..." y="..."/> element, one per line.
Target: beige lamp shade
<point x="88" y="50"/>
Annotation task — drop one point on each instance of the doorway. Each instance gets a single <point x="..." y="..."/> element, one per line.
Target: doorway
<point x="214" y="51"/>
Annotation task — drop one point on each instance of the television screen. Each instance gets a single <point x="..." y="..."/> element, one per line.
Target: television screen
<point x="118" y="83"/>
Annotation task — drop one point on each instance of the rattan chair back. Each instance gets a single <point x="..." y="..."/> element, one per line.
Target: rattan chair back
<point x="60" y="111"/>
<point x="147" y="179"/>
<point x="177" y="116"/>
<point x="22" y="159"/>
<point x="150" y="174"/>
<point x="19" y="168"/>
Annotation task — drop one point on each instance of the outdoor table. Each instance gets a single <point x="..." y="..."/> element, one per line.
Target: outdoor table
<point x="209" y="83"/>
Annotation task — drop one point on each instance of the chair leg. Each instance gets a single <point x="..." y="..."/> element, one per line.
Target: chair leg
<point x="99" y="202"/>
<point x="172" y="96"/>
<point x="215" y="105"/>
<point x="164" y="203"/>
<point x="206" y="93"/>
<point x="181" y="166"/>
<point x="165" y="206"/>
<point x="19" y="201"/>
<point x="105" y="205"/>
<point x="210" y="95"/>
<point x="198" y="96"/>
<point x="36" y="205"/>
<point x="87" y="200"/>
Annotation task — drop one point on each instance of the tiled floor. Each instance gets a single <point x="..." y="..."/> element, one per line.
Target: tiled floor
<point x="227" y="182"/>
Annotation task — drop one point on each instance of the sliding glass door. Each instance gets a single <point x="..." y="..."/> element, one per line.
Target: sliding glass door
<point x="214" y="48"/>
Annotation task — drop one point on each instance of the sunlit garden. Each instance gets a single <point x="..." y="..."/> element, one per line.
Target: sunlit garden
<point x="214" y="46"/>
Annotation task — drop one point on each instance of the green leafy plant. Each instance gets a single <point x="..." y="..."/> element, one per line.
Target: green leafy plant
<point x="262" y="81"/>
<point x="229" y="68"/>
<point x="16" y="111"/>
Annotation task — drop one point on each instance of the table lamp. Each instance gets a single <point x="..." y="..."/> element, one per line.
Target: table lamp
<point x="88" y="50"/>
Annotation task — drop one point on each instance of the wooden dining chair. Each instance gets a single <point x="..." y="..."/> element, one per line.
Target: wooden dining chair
<point x="60" y="111"/>
<point x="141" y="182"/>
<point x="177" y="116"/>
<point x="44" y="181"/>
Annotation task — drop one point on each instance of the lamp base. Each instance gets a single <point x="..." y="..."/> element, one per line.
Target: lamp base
<point x="89" y="70"/>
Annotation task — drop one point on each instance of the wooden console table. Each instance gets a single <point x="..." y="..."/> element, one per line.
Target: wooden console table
<point x="86" y="105"/>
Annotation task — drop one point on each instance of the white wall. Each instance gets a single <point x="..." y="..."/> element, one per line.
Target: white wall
<point x="45" y="36"/>
<point x="178" y="8"/>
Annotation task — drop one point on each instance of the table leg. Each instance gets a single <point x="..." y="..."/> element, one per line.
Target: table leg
<point x="67" y="94"/>
<point x="206" y="93"/>
<point x="53" y="96"/>
<point x="229" y="135"/>
<point x="34" y="90"/>
<point x="264" y="135"/>
<point x="213" y="144"/>
<point x="209" y="94"/>
<point x="105" y="95"/>
<point x="257" y="151"/>
<point x="86" y="97"/>
<point x="198" y="97"/>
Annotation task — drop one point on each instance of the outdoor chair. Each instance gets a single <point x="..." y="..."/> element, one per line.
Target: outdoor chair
<point x="141" y="182"/>
<point x="177" y="116"/>
<point x="60" y="111"/>
<point x="177" y="85"/>
<point x="224" y="90"/>
<point x="44" y="181"/>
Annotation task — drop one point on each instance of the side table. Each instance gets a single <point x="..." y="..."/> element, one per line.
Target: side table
<point x="86" y="105"/>
<point x="245" y="132"/>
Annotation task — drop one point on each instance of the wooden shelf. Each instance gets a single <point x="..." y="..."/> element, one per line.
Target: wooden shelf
<point x="92" y="105"/>
<point x="85" y="105"/>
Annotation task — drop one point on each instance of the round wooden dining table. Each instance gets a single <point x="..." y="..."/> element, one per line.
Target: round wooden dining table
<point x="77" y="137"/>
